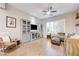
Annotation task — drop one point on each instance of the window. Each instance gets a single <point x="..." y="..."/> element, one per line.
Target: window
<point x="55" y="26"/>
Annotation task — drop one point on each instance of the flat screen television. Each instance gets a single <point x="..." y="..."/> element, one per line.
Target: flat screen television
<point x="33" y="27"/>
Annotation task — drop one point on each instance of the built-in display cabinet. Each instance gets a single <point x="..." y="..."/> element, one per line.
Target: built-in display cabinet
<point x="25" y="30"/>
<point x="28" y="34"/>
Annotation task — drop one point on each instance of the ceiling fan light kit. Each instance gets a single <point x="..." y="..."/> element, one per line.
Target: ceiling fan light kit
<point x="49" y="11"/>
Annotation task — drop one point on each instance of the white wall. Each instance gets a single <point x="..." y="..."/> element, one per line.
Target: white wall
<point x="13" y="12"/>
<point x="2" y="5"/>
<point x="69" y="22"/>
<point x="16" y="32"/>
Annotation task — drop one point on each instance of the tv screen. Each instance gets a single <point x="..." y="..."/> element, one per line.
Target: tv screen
<point x="33" y="27"/>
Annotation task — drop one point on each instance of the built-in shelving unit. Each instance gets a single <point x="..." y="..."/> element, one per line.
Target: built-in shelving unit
<point x="25" y="30"/>
<point x="24" y="26"/>
<point x="28" y="34"/>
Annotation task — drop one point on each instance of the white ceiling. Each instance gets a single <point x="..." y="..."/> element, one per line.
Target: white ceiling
<point x="35" y="9"/>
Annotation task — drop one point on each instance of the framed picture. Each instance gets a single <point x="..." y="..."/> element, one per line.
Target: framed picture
<point x="10" y="22"/>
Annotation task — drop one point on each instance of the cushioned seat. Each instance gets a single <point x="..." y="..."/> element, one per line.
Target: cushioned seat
<point x="6" y="42"/>
<point x="55" y="40"/>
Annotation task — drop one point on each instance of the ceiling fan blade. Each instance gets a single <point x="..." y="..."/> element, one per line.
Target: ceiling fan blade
<point x="53" y="11"/>
<point x="44" y="11"/>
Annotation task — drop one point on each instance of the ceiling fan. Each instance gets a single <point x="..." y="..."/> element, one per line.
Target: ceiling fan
<point x="49" y="10"/>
